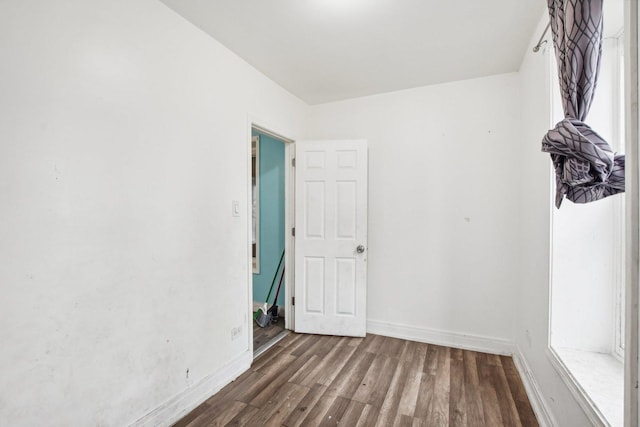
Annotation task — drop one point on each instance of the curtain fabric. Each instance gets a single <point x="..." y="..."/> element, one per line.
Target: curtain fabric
<point x="586" y="167"/>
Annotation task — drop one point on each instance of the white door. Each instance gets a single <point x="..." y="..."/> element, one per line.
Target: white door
<point x="331" y="237"/>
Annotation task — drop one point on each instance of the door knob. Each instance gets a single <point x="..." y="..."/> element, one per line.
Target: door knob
<point x="360" y="249"/>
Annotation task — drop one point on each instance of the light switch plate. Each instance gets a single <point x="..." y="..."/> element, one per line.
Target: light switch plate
<point x="235" y="208"/>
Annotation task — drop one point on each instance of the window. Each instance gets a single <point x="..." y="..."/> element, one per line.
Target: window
<point x="587" y="274"/>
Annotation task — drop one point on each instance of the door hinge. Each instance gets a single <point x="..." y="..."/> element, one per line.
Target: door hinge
<point x="293" y="232"/>
<point x="293" y="162"/>
<point x="293" y="300"/>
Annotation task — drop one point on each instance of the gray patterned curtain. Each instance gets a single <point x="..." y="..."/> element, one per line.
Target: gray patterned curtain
<point x="586" y="167"/>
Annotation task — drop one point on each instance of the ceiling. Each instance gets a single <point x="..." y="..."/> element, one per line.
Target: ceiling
<point x="328" y="50"/>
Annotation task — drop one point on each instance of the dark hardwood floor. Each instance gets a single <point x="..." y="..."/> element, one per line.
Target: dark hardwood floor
<point x="312" y="380"/>
<point x="261" y="336"/>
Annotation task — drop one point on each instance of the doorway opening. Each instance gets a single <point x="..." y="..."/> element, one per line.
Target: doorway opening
<point x="269" y="239"/>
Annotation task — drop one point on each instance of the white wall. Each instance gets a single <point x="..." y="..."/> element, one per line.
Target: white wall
<point x="123" y="141"/>
<point x="443" y="204"/>
<point x="535" y="200"/>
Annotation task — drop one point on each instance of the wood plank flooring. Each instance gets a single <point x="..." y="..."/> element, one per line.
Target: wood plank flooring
<point x="312" y="380"/>
<point x="261" y="336"/>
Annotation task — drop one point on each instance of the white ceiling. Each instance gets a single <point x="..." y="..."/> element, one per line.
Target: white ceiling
<point x="327" y="50"/>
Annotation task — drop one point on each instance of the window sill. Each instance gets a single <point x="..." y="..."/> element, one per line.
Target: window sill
<point x="596" y="381"/>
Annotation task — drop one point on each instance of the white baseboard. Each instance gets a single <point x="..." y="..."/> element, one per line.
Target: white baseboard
<point x="179" y="406"/>
<point x="544" y="416"/>
<point x="444" y="338"/>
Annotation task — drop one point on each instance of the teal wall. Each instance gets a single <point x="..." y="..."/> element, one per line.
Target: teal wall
<point x="271" y="217"/>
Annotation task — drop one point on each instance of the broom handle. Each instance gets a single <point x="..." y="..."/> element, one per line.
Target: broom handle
<point x="273" y="282"/>
<point x="275" y="300"/>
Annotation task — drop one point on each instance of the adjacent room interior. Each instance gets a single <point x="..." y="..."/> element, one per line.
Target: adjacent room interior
<point x="268" y="238"/>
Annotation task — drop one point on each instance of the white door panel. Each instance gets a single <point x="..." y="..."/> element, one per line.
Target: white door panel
<point x="331" y="222"/>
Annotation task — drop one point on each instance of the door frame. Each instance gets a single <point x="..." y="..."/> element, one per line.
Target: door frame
<point x="267" y="128"/>
<point x="632" y="200"/>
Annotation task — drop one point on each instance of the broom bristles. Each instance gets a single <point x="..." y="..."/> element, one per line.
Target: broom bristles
<point x="263" y="319"/>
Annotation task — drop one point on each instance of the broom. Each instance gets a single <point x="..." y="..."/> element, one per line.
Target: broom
<point x="262" y="316"/>
<point x="273" y="311"/>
